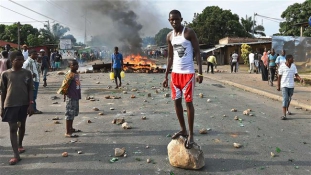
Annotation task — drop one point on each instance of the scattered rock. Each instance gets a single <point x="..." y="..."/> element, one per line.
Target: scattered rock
<point x="118" y="152"/>
<point x="118" y="121"/>
<point x="224" y="116"/>
<point x="124" y="111"/>
<point x="55" y="102"/>
<point x="127" y="83"/>
<point x="134" y="90"/>
<point x="125" y="155"/>
<point x="89" y="121"/>
<point x="98" y="82"/>
<point x="92" y="99"/>
<point x="109" y="87"/>
<point x="54" y="97"/>
<point x="246" y="112"/>
<point x="166" y="95"/>
<point x="272" y="154"/>
<point x="208" y="100"/>
<point x="147" y="147"/>
<point x="236" y="118"/>
<point x="156" y="91"/>
<point x="233" y="110"/>
<point x="125" y="125"/>
<point x="56" y="122"/>
<point x="143" y="117"/>
<point x="298" y="107"/>
<point x="65" y="154"/>
<point x="148" y="160"/>
<point x="149" y="94"/>
<point x="251" y="114"/>
<point x="203" y="131"/>
<point x="237" y="145"/>
<point x="60" y="73"/>
<point x="100" y="113"/>
<point x="80" y="152"/>
<point x="133" y="96"/>
<point x="112" y="97"/>
<point x="112" y="109"/>
<point x="55" y="118"/>
<point x="201" y="95"/>
<point x="184" y="158"/>
<point x="95" y="109"/>
<point x="124" y="92"/>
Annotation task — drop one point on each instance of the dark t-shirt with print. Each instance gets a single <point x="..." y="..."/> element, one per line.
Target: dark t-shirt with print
<point x="74" y="90"/>
<point x="57" y="58"/>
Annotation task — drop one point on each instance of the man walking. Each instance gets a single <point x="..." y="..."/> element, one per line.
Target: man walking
<point x="251" y="58"/>
<point x="31" y="65"/>
<point x="211" y="61"/>
<point x="25" y="52"/>
<point x="117" y="66"/>
<point x="45" y="65"/>
<point x="182" y="42"/>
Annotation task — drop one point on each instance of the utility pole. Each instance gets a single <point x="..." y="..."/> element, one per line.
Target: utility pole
<point x="18" y="36"/>
<point x="254" y="25"/>
<point x="85" y="28"/>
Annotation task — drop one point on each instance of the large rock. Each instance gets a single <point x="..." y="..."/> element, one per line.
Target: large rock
<point x="184" y="158"/>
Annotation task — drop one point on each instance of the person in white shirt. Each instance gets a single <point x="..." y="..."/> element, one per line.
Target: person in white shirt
<point x="251" y="58"/>
<point x="30" y="64"/>
<point x="281" y="59"/>
<point x="234" y="61"/>
<point x="286" y="73"/>
<point x="25" y="51"/>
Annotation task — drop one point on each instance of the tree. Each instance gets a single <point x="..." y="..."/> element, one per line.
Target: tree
<point x="295" y="14"/>
<point x="215" y="23"/>
<point x="248" y="23"/>
<point x="33" y="40"/>
<point x="148" y="41"/>
<point x="245" y="51"/>
<point x="160" y="37"/>
<point x="59" y="31"/>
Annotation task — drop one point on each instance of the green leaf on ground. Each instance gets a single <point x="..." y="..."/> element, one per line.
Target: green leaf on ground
<point x="277" y="149"/>
<point x="171" y="173"/>
<point x="138" y="159"/>
<point x="168" y="135"/>
<point x="262" y="168"/>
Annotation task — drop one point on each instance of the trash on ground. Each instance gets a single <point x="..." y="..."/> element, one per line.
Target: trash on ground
<point x="237" y="145"/>
<point x="65" y="154"/>
<point x="125" y="125"/>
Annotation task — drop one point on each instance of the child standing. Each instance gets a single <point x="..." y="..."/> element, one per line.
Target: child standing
<point x="16" y="101"/>
<point x="71" y="88"/>
<point x="287" y="72"/>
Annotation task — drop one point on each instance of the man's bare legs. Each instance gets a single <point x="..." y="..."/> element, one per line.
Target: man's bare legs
<point x="190" y="113"/>
<point x="13" y="136"/>
<point x="180" y="115"/>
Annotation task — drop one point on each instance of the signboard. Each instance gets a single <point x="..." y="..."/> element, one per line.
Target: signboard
<point x="67" y="54"/>
<point x="65" y="44"/>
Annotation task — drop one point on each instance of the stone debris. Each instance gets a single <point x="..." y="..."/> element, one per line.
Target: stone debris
<point x="124" y="92"/>
<point x="236" y="118"/>
<point x="55" y="118"/>
<point x="201" y="95"/>
<point x="224" y="116"/>
<point x="98" y="82"/>
<point x="133" y="96"/>
<point x="95" y="109"/>
<point x="208" y="100"/>
<point x="298" y="107"/>
<point x="272" y="154"/>
<point x="89" y="121"/>
<point x="127" y="83"/>
<point x="147" y="147"/>
<point x="92" y="99"/>
<point x="125" y="155"/>
<point x="246" y="112"/>
<point x="184" y="158"/>
<point x="148" y="160"/>
<point x="65" y="154"/>
<point x="80" y="152"/>
<point x="118" y="121"/>
<point x="111" y="97"/>
<point x="145" y="100"/>
<point x="125" y="125"/>
<point x="55" y="103"/>
<point x="166" y="95"/>
<point x="143" y="117"/>
<point x="124" y="111"/>
<point x="237" y="145"/>
<point x="61" y="73"/>
<point x="251" y="114"/>
<point x="109" y="87"/>
<point x="112" y="109"/>
<point x="234" y="110"/>
<point x="88" y="71"/>
<point x="56" y="122"/>
<point x="203" y="131"/>
<point x="100" y="113"/>
<point x="54" y="97"/>
<point x="118" y="152"/>
<point x="149" y="94"/>
<point x="134" y="90"/>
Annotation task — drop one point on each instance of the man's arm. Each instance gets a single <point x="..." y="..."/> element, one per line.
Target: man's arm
<point x="170" y="54"/>
<point x="121" y="62"/>
<point x="3" y="92"/>
<point x="196" y="48"/>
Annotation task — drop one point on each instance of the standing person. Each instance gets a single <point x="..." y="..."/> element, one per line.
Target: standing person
<point x="31" y="65"/>
<point x="256" y="62"/>
<point x="211" y="61"/>
<point x="264" y="66"/>
<point x="16" y="102"/>
<point x="234" y="60"/>
<point x="272" y="66"/>
<point x="287" y="71"/>
<point x="182" y="42"/>
<point x="251" y="58"/>
<point x="280" y="59"/>
<point x="25" y="51"/>
<point x="58" y="58"/>
<point x="117" y="66"/>
<point x="45" y="65"/>
<point x="4" y="62"/>
<point x="71" y="87"/>
<point x="52" y="60"/>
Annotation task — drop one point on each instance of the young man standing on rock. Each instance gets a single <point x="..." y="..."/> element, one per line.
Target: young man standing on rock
<point x="117" y="66"/>
<point x="287" y="71"/>
<point x="182" y="42"/>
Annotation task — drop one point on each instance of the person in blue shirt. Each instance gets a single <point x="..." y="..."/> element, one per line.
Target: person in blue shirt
<point x="272" y="66"/>
<point x="117" y="66"/>
<point x="281" y="59"/>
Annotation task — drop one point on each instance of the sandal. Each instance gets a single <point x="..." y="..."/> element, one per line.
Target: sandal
<point x="188" y="144"/>
<point x="71" y="135"/>
<point x="14" y="161"/>
<point x="288" y="113"/>
<point x="283" y="118"/>
<point x="178" y="134"/>
<point x="75" y="130"/>
<point x="21" y="150"/>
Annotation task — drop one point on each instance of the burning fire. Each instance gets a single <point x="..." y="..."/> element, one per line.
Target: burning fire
<point x="138" y="62"/>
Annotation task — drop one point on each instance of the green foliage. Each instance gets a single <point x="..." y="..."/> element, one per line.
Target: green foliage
<point x="245" y="51"/>
<point x="160" y="37"/>
<point x="33" y="40"/>
<point x="215" y="23"/>
<point x="294" y="14"/>
<point x="148" y="41"/>
<point x="59" y="31"/>
<point x="248" y="23"/>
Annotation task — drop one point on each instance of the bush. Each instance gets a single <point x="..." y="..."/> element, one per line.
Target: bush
<point x="245" y="51"/>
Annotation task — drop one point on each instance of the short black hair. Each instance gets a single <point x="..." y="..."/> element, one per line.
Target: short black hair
<point x="5" y="54"/>
<point x="72" y="62"/>
<point x="15" y="54"/>
<point x="289" y="56"/>
<point x="175" y="12"/>
<point x="32" y="51"/>
<point x="116" y="48"/>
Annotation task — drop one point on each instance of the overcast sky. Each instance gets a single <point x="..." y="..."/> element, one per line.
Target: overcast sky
<point x="159" y="9"/>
